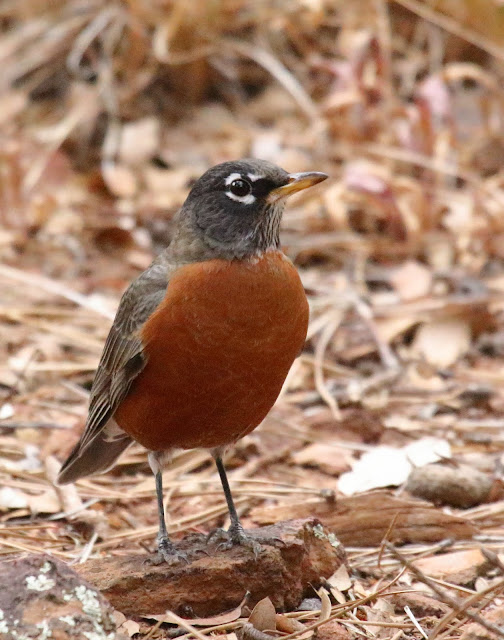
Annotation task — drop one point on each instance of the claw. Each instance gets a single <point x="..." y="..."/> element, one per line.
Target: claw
<point x="235" y="536"/>
<point x="167" y="553"/>
<point x="216" y="534"/>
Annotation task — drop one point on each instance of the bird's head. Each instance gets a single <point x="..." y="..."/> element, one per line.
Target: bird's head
<point x="234" y="209"/>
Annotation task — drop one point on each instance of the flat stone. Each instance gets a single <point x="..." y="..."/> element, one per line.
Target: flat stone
<point x="216" y="580"/>
<point x="42" y="597"/>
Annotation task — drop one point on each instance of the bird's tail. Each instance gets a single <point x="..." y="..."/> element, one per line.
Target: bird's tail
<point x="96" y="456"/>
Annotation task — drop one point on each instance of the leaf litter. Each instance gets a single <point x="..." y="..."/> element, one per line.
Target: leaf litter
<point x="107" y="116"/>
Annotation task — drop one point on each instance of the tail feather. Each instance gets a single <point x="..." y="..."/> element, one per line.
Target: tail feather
<point x="98" y="456"/>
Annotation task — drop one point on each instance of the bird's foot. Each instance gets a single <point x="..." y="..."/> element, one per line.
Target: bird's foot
<point x="168" y="553"/>
<point x="236" y="535"/>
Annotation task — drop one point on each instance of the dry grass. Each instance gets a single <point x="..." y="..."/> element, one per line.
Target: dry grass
<point x="108" y="112"/>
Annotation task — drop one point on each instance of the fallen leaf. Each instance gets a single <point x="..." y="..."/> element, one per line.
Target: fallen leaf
<point x="411" y="280"/>
<point x="288" y="625"/>
<point x="340" y="579"/>
<point x="434" y="92"/>
<point x="139" y="140"/>
<point x="442" y="342"/>
<point x="120" y="180"/>
<point x="47" y="502"/>
<point x="6" y="411"/>
<point x="390" y="328"/>
<point x="325" y="611"/>
<point x="330" y="459"/>
<point x="129" y="627"/>
<point x="458" y="567"/>
<point x="221" y="618"/>
<point x="12" y="499"/>
<point x="11" y="103"/>
<point x="390" y="467"/>
<point x="263" y="616"/>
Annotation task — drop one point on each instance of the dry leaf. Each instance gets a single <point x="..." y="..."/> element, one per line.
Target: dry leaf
<point x="325" y="611"/>
<point x="436" y="95"/>
<point x="330" y="459"/>
<point x="263" y="616"/>
<point x="6" y="411"/>
<point x="340" y="579"/>
<point x="120" y="180"/>
<point x="458" y="567"/>
<point x="411" y="280"/>
<point x="221" y="618"/>
<point x="390" y="328"/>
<point x="129" y="627"/>
<point x="442" y="342"/>
<point x="139" y="140"/>
<point x="288" y="625"/>
<point x="11" y="104"/>
<point x="47" y="502"/>
<point x="12" y="499"/>
<point x="386" y="466"/>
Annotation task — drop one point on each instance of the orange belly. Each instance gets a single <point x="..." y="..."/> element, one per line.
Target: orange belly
<point x="218" y="350"/>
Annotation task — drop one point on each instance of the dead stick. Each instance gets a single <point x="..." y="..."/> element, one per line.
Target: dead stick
<point x="458" y="605"/>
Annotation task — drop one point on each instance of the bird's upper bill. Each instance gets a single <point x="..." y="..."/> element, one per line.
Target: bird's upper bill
<point x="297" y="182"/>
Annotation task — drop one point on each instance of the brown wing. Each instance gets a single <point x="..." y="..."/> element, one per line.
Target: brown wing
<point x="121" y="361"/>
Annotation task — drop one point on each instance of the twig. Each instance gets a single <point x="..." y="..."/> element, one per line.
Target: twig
<point x="410" y="615"/>
<point x="269" y="62"/>
<point x="458" y="605"/>
<point x="55" y="287"/>
<point x="320" y="349"/>
<point x="452" y="26"/>
<point x="173" y="618"/>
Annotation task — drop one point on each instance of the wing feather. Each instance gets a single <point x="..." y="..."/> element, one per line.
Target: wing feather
<point x="121" y="362"/>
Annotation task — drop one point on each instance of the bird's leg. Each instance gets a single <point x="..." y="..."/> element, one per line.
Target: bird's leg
<point x="236" y="526"/>
<point x="167" y="551"/>
<point x="235" y="534"/>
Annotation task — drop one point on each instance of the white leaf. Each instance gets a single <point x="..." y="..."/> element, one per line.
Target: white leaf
<point x="389" y="467"/>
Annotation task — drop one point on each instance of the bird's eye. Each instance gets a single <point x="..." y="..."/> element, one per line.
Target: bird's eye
<point x="240" y="188"/>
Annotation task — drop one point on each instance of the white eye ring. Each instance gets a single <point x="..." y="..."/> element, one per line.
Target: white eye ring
<point x="248" y="199"/>
<point x="232" y="177"/>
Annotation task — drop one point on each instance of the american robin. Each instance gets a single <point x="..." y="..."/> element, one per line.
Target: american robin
<point x="204" y="338"/>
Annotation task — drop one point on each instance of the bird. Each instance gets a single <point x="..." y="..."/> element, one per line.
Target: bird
<point x="203" y="339"/>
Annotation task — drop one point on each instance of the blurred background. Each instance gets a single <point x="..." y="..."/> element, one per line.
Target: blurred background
<point x="109" y="112"/>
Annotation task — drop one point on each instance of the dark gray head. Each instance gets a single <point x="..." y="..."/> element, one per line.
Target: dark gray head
<point x="235" y="208"/>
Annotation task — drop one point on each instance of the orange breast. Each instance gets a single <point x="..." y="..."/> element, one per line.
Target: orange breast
<point x="218" y="350"/>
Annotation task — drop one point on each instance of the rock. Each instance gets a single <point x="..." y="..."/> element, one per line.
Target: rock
<point x="459" y="567"/>
<point x="46" y="599"/>
<point x="461" y="486"/>
<point x="333" y="630"/>
<point x="215" y="580"/>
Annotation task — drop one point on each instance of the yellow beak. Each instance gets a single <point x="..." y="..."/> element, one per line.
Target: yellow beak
<point x="297" y="182"/>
